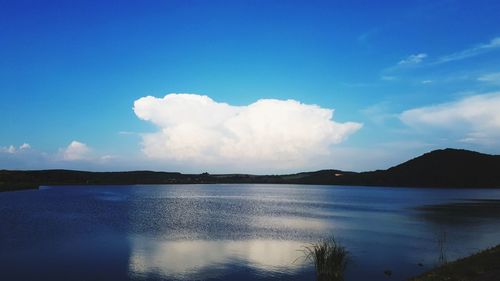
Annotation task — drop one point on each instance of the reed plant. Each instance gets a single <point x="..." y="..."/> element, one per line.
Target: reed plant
<point x="329" y="258"/>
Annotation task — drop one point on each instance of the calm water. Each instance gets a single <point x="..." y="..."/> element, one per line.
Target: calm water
<point x="234" y="232"/>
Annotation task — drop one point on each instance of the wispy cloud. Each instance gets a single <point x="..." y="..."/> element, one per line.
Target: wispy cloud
<point x="471" y="52"/>
<point x="491" y="78"/>
<point x="422" y="59"/>
<point x="388" y="78"/>
<point x="366" y="36"/>
<point x="379" y="113"/>
<point x="408" y="62"/>
<point x="413" y="59"/>
<point x="127" y="133"/>
<point x="473" y="119"/>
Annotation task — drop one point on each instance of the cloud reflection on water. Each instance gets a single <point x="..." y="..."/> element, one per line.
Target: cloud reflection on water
<point x="184" y="259"/>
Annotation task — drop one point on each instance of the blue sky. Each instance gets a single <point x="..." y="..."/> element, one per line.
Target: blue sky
<point x="414" y="76"/>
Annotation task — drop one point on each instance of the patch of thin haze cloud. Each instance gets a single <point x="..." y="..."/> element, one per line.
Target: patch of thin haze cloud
<point x="127" y="133"/>
<point x="413" y="59"/>
<point x="474" y="119"/>
<point x="388" y="78"/>
<point x="365" y="37"/>
<point x="269" y="133"/>
<point x="377" y="156"/>
<point x="471" y="52"/>
<point x="379" y="113"/>
<point x="491" y="78"/>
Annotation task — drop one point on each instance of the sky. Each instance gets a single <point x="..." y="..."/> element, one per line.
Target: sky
<point x="245" y="86"/>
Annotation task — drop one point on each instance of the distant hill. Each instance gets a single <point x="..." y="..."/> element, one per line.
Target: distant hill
<point x="445" y="168"/>
<point x="439" y="168"/>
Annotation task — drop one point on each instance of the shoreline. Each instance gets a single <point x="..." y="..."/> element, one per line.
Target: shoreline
<point x="481" y="266"/>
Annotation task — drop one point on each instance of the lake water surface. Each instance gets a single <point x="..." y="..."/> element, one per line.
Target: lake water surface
<point x="235" y="232"/>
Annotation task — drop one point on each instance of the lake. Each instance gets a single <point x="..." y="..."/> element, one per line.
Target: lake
<point x="235" y="232"/>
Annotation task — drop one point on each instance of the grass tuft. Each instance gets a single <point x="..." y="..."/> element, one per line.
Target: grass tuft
<point x="329" y="258"/>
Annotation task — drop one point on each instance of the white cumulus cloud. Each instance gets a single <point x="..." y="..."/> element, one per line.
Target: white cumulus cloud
<point x="75" y="151"/>
<point x="269" y="133"/>
<point x="25" y="146"/>
<point x="474" y="119"/>
<point x="11" y="149"/>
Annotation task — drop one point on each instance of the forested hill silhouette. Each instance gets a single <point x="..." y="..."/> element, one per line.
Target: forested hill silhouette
<point x="439" y="168"/>
<point x="447" y="168"/>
